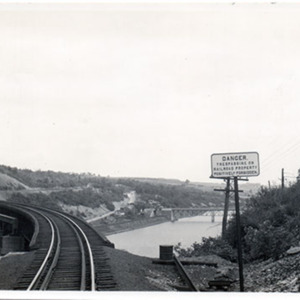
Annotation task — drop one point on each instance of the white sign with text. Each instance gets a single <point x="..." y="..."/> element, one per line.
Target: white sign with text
<point x="239" y="164"/>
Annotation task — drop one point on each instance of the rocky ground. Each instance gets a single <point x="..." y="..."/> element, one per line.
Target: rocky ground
<point x="201" y="275"/>
<point x="282" y="275"/>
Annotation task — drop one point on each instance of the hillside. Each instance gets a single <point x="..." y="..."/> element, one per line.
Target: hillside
<point x="248" y="188"/>
<point x="9" y="183"/>
<point x="88" y="195"/>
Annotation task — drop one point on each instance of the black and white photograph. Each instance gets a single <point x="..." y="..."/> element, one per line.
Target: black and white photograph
<point x="149" y="148"/>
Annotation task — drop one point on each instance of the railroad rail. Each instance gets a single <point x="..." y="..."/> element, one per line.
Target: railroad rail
<point x="69" y="255"/>
<point x="185" y="276"/>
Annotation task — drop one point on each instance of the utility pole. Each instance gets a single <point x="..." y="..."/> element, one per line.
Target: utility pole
<point x="228" y="189"/>
<point x="282" y="178"/>
<point x="238" y="232"/>
<point x="225" y="215"/>
<point x="226" y="205"/>
<point x="227" y="165"/>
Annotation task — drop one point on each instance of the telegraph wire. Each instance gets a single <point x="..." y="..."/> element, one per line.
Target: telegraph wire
<point x="288" y="152"/>
<point x="281" y="154"/>
<point x="291" y="150"/>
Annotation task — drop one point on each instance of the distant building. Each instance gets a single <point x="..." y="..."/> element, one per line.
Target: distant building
<point x="131" y="197"/>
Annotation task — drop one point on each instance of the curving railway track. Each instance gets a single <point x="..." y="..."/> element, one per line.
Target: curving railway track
<point x="70" y="255"/>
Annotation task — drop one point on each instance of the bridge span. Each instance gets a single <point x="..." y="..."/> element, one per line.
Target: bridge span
<point x="178" y="213"/>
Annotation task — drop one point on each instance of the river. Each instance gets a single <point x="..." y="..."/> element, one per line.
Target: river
<point x="146" y="241"/>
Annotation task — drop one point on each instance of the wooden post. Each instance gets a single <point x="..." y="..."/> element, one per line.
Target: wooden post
<point x="226" y="205"/>
<point x="238" y="231"/>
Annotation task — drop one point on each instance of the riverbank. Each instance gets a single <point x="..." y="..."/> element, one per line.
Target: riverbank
<point x="127" y="225"/>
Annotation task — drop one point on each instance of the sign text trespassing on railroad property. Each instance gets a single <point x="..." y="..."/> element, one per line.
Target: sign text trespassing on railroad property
<point x="239" y="164"/>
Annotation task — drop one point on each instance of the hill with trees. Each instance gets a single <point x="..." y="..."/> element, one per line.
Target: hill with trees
<point x="60" y="189"/>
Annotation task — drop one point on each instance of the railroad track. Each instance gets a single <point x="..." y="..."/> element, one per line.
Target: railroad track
<point x="70" y="255"/>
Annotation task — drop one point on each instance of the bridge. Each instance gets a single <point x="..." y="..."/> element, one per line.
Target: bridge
<point x="178" y="213"/>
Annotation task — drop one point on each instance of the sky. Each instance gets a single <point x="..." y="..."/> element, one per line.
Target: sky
<point x="150" y="90"/>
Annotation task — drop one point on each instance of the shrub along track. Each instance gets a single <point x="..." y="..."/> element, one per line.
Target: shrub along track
<point x="70" y="254"/>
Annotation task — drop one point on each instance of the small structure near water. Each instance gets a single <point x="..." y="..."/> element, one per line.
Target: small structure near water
<point x="165" y="253"/>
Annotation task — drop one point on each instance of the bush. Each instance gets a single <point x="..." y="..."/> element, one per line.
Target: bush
<point x="269" y="225"/>
<point x="208" y="246"/>
<point x="267" y="242"/>
<point x="37" y="199"/>
<point x="109" y="206"/>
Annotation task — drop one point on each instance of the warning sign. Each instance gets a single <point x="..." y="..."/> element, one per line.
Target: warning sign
<point x="240" y="164"/>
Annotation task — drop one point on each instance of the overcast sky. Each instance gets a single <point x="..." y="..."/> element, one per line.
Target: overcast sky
<point x="149" y="90"/>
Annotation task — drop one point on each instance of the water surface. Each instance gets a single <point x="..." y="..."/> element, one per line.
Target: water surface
<point x="146" y="241"/>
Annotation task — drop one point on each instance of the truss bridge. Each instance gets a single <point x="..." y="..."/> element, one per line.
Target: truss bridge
<point x="178" y="213"/>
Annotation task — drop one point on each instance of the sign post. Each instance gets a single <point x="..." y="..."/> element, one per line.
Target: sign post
<point x="238" y="232"/>
<point x="236" y="165"/>
<point x="225" y="215"/>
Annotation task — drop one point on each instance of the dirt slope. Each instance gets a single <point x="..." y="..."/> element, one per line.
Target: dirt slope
<point x="10" y="183"/>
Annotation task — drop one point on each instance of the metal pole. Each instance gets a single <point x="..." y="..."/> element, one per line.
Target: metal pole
<point x="225" y="215"/>
<point x="238" y="230"/>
